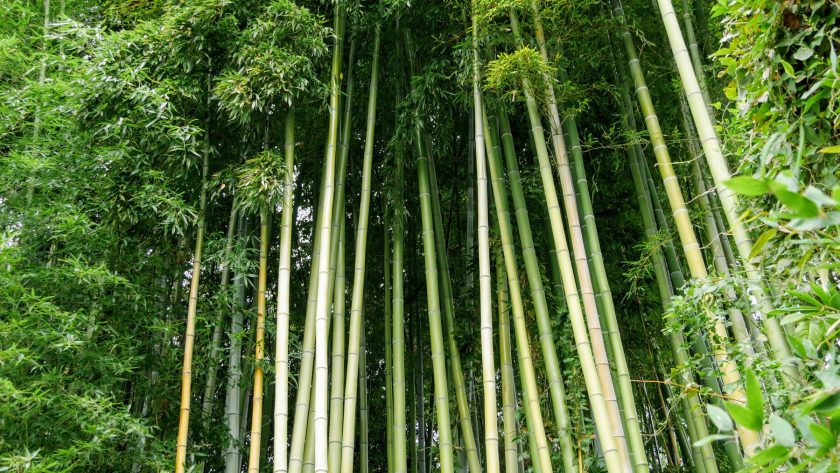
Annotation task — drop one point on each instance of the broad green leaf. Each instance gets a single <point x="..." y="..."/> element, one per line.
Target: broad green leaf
<point x="788" y="68"/>
<point x="711" y="438"/>
<point x="762" y="241"/>
<point x="720" y="418"/>
<point x="743" y="416"/>
<point x="768" y="455"/>
<point x="753" y="388"/>
<point x="830" y="150"/>
<point x="797" y="346"/>
<point x="747" y="185"/>
<point x="782" y="431"/>
<point x="803" y="53"/>
<point x="824" y="437"/>
<point x="803" y="206"/>
<point x="835" y="193"/>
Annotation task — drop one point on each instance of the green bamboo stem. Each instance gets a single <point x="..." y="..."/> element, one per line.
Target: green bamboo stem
<point x="720" y="173"/>
<point x="354" y="352"/>
<point x="506" y="362"/>
<point x="691" y="248"/>
<point x="532" y="269"/>
<point x="233" y="414"/>
<point x="455" y="369"/>
<point x="281" y="363"/>
<point x="488" y="369"/>
<point x="540" y="454"/>
<point x="218" y="330"/>
<point x="596" y="370"/>
<point x="320" y="423"/>
<point x="389" y="387"/>
<point x="363" y="403"/>
<point x="691" y="405"/>
<point x="433" y="307"/>
<point x="338" y="339"/>
<point x="419" y="387"/>
<point x="398" y="324"/>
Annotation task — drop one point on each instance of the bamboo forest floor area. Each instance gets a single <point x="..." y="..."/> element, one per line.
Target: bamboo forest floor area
<point x="352" y="236"/>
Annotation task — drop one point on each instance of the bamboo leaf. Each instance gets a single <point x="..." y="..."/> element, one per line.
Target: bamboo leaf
<point x="830" y="150"/>
<point x="782" y="431"/>
<point x="720" y="418"/>
<point x="743" y="416"/>
<point x="711" y="438"/>
<point x="753" y="388"/>
<point x="824" y="437"/>
<point x="747" y="185"/>
<point x="762" y="241"/>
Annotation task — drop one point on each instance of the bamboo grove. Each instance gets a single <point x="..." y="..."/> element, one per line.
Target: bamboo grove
<point x="353" y="236"/>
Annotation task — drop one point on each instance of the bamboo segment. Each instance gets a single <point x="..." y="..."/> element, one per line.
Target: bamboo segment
<point x="720" y="174"/>
<point x="281" y="364"/>
<point x="607" y="419"/>
<point x="488" y="369"/>
<point x="355" y="354"/>
<point x="189" y="334"/>
<point x="259" y="345"/>
<point x="691" y="248"/>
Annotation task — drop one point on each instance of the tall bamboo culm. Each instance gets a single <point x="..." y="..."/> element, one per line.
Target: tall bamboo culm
<point x="691" y="248"/>
<point x="189" y="334"/>
<point x="720" y="173"/>
<point x="281" y="364"/>
<point x="488" y="369"/>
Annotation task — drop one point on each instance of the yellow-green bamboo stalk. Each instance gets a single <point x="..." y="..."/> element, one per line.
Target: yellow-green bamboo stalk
<point x="720" y="173"/>
<point x="259" y="346"/>
<point x="596" y="370"/>
<point x="694" y="257"/>
<point x="320" y="422"/>
<point x="189" y="334"/>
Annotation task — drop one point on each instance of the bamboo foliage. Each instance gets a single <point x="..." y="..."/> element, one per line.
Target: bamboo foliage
<point x="124" y="217"/>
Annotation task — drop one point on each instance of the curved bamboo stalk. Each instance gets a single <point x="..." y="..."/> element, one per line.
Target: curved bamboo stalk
<point x="720" y="173"/>
<point x="596" y="370"/>
<point x="355" y="353"/>
<point x="691" y="248"/>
